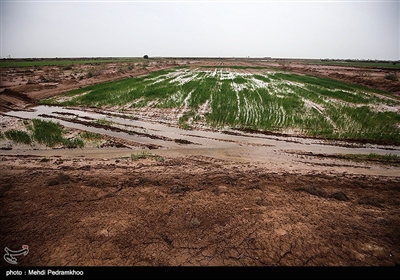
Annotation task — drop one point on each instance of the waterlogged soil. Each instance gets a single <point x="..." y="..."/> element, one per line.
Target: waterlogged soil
<point x="199" y="198"/>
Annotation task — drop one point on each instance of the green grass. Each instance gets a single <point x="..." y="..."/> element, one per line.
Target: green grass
<point x="73" y="143"/>
<point x="103" y="121"/>
<point x="18" y="136"/>
<point x="43" y="132"/>
<point x="51" y="134"/>
<point x="47" y="132"/>
<point x="145" y="155"/>
<point x="90" y="136"/>
<point x="270" y="101"/>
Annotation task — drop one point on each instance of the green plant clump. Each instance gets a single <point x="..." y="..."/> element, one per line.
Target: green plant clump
<point x="18" y="136"/>
<point x="51" y="134"/>
<point x="144" y="155"/>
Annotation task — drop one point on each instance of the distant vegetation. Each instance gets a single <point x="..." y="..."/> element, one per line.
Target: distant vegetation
<point x="355" y="63"/>
<point x="265" y="100"/>
<point x="60" y="62"/>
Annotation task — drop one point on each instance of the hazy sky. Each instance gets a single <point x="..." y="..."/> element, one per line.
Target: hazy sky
<point x="287" y="29"/>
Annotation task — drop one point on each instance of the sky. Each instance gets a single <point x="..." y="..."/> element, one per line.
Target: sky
<point x="279" y="29"/>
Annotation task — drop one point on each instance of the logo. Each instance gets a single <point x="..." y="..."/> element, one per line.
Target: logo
<point x="10" y="255"/>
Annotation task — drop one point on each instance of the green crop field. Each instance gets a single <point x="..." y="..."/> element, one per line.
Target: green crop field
<point x="258" y="99"/>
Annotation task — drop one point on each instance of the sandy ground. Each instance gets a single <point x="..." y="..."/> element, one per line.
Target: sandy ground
<point x="250" y="203"/>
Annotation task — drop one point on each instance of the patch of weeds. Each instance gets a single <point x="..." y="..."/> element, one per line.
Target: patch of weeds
<point x="385" y="159"/>
<point x="183" y="120"/>
<point x="47" y="132"/>
<point x="73" y="143"/>
<point x="51" y="134"/>
<point x="61" y="178"/>
<point x="369" y="200"/>
<point x="144" y="155"/>
<point x="313" y="190"/>
<point x="45" y="160"/>
<point x="185" y="126"/>
<point x="18" y="136"/>
<point x="5" y="188"/>
<point x="103" y="121"/>
<point x="2" y="136"/>
<point x="90" y="136"/>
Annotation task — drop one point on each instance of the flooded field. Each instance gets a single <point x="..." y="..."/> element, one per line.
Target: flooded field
<point x="145" y="189"/>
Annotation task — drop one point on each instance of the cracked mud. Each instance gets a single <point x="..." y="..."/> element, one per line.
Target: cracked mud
<point x="195" y="211"/>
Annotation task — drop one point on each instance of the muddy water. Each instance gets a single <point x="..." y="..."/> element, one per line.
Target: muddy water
<point x="280" y="154"/>
<point x="158" y="133"/>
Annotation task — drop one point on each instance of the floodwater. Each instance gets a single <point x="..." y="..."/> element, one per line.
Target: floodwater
<point x="164" y="135"/>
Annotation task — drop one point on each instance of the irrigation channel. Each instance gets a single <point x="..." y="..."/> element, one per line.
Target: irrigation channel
<point x="234" y="145"/>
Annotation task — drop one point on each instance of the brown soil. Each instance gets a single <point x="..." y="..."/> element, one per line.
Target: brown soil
<point x="196" y="207"/>
<point x="194" y="211"/>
